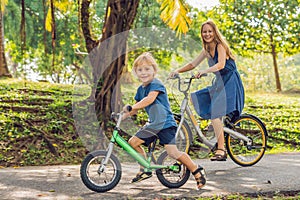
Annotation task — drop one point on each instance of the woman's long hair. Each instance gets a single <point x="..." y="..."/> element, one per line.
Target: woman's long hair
<point x="218" y="38"/>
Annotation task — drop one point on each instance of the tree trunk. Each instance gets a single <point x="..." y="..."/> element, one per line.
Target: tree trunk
<point x="3" y="64"/>
<point x="278" y="85"/>
<point x="274" y="56"/>
<point x="119" y="17"/>
<point x="44" y="28"/>
<point x="53" y="33"/>
<point x="109" y="58"/>
<point x="90" y="43"/>
<point x="274" y="53"/>
<point x="22" y="28"/>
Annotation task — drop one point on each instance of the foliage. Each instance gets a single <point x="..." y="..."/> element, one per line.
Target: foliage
<point x="257" y="73"/>
<point x="36" y="59"/>
<point x="38" y="42"/>
<point x="256" y="26"/>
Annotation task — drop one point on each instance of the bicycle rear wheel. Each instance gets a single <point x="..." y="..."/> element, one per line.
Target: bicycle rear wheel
<point x="96" y="179"/>
<point x="238" y="150"/>
<point x="168" y="177"/>
<point x="184" y="138"/>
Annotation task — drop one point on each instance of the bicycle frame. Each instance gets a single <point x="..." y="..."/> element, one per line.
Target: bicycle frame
<point x="185" y="108"/>
<point x="116" y="138"/>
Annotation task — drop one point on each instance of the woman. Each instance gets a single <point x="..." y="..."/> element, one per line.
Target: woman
<point x="226" y="94"/>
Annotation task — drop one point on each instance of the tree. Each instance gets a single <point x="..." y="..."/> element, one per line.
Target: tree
<point x="3" y="64"/>
<point x="106" y="69"/>
<point x="119" y="18"/>
<point x="264" y="26"/>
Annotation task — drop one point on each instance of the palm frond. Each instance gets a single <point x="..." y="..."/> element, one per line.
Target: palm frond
<point x="3" y="4"/>
<point x="62" y="5"/>
<point x="48" y="21"/>
<point x="175" y="14"/>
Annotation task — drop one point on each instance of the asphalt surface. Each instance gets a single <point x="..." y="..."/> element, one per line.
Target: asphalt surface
<point x="274" y="173"/>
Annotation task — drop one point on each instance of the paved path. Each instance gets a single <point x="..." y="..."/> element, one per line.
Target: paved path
<point x="273" y="173"/>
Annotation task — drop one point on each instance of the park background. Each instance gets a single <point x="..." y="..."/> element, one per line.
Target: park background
<point x="45" y="53"/>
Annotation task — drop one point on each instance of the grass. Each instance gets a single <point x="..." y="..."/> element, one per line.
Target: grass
<point x="37" y="125"/>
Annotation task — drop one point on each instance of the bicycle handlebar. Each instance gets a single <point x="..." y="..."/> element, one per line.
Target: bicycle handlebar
<point x="118" y="116"/>
<point x="189" y="81"/>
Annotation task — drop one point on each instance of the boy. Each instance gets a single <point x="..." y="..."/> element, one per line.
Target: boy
<point x="152" y="96"/>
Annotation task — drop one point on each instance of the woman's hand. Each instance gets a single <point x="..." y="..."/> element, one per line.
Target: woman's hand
<point x="173" y="74"/>
<point x="200" y="74"/>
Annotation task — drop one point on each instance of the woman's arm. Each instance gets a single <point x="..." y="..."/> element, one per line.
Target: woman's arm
<point x="191" y="65"/>
<point x="218" y="66"/>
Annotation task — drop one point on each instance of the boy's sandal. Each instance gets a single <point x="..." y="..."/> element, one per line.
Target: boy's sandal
<point x="219" y="157"/>
<point x="200" y="180"/>
<point x="141" y="176"/>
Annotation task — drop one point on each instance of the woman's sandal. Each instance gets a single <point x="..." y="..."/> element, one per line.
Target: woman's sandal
<point x="219" y="157"/>
<point x="201" y="180"/>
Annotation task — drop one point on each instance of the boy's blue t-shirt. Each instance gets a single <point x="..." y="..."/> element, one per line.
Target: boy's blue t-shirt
<point x="159" y="112"/>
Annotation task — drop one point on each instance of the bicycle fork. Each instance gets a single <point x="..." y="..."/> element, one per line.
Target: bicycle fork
<point x="105" y="160"/>
<point x="123" y="144"/>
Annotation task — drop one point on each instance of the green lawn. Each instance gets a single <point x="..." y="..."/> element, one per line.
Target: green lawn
<point x="37" y="125"/>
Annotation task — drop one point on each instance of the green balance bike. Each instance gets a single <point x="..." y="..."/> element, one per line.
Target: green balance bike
<point x="101" y="170"/>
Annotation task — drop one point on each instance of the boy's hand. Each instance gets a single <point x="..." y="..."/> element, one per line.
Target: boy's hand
<point x="126" y="110"/>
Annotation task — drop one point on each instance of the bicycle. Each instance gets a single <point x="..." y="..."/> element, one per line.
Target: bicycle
<point x="101" y="170"/>
<point x="245" y="137"/>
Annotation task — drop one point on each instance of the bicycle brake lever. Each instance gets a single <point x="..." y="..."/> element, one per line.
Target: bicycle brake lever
<point x="194" y="77"/>
<point x="174" y="77"/>
<point x="114" y="116"/>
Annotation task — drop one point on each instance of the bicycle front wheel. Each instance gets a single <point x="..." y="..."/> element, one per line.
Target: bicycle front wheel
<point x="239" y="151"/>
<point x="171" y="178"/>
<point x="184" y="138"/>
<point x="97" y="177"/>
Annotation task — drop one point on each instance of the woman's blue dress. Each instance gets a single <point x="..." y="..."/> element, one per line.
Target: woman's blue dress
<point x="224" y="97"/>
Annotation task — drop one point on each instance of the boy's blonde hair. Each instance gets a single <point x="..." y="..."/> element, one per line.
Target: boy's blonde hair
<point x="145" y="58"/>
